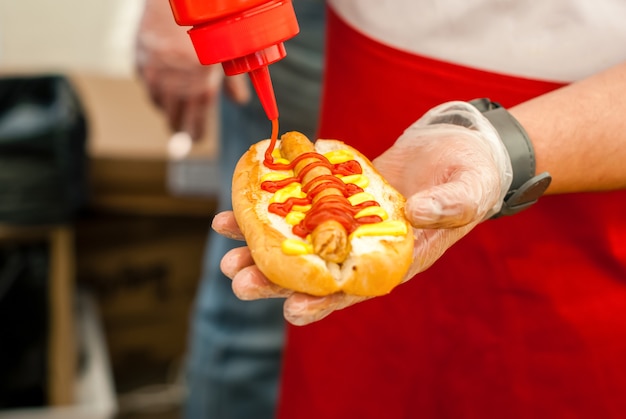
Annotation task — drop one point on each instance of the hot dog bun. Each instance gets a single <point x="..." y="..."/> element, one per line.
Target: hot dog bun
<point x="375" y="263"/>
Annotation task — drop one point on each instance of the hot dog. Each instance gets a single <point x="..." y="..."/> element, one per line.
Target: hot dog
<point x="319" y="219"/>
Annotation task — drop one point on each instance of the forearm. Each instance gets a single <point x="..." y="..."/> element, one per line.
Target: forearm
<point x="579" y="133"/>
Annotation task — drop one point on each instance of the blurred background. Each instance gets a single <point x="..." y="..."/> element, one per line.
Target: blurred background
<point x="101" y="232"/>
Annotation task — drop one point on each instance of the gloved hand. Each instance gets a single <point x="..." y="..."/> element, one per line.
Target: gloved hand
<point x="454" y="171"/>
<point x="176" y="81"/>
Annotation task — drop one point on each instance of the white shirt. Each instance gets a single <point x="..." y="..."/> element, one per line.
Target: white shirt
<point x="559" y="40"/>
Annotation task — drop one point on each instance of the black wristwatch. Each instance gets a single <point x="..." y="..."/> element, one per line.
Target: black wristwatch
<point x="526" y="187"/>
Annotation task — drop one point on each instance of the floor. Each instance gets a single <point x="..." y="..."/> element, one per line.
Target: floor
<point x="154" y="393"/>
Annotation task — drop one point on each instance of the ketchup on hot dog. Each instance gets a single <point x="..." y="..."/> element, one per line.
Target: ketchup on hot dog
<point x="334" y="207"/>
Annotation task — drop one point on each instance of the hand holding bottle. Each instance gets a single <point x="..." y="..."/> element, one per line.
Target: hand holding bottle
<point x="176" y="81"/>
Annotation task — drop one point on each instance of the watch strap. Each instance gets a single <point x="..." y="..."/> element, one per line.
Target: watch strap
<point x="526" y="187"/>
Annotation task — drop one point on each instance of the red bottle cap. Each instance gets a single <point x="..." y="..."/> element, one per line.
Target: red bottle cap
<point x="247" y="42"/>
<point x="196" y="12"/>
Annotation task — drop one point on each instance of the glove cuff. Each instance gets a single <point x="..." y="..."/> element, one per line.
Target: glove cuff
<point x="526" y="187"/>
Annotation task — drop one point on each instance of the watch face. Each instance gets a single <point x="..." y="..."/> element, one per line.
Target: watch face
<point x="526" y="195"/>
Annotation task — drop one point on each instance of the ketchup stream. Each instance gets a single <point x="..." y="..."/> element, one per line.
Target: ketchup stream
<point x="330" y="207"/>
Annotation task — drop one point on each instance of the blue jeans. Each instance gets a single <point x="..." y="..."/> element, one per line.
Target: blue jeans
<point x="235" y="347"/>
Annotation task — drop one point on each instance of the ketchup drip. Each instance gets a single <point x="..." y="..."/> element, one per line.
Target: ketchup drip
<point x="330" y="207"/>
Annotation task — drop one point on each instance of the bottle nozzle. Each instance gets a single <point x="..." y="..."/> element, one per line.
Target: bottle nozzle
<point x="256" y="65"/>
<point x="265" y="91"/>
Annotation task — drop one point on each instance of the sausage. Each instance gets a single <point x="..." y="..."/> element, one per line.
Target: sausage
<point x="330" y="239"/>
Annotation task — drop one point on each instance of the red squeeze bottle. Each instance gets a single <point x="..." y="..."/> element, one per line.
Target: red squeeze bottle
<point x="244" y="35"/>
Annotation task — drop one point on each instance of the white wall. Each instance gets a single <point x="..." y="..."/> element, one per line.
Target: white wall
<point x="93" y="36"/>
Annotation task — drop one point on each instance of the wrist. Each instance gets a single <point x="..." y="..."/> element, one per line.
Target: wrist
<point x="526" y="187"/>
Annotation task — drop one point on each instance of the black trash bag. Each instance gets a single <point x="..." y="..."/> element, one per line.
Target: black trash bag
<point x="23" y="325"/>
<point x="43" y="163"/>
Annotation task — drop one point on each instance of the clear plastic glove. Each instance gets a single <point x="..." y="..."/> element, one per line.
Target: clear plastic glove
<point x="454" y="171"/>
<point x="176" y="81"/>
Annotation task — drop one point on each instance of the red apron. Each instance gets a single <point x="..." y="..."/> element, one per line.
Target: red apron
<point x="523" y="318"/>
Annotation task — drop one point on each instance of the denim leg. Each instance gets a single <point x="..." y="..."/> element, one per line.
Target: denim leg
<point x="236" y="350"/>
<point x="235" y="346"/>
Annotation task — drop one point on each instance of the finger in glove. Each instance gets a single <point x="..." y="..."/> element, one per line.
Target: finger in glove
<point x="225" y="224"/>
<point x="302" y="309"/>
<point x="250" y="284"/>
